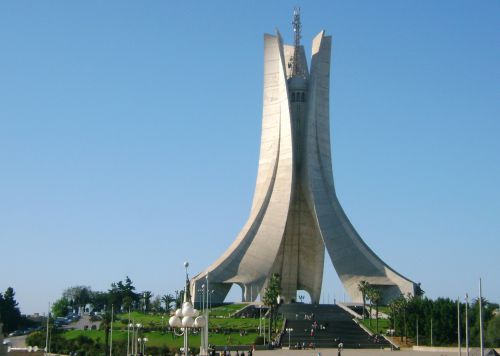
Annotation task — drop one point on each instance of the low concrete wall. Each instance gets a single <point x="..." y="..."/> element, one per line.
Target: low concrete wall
<point x="349" y="310"/>
<point x="474" y="351"/>
<point x="448" y="350"/>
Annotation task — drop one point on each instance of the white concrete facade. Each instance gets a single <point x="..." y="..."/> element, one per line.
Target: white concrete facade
<point x="295" y="212"/>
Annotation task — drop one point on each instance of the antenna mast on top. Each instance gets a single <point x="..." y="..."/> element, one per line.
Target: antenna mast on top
<point x="296" y="40"/>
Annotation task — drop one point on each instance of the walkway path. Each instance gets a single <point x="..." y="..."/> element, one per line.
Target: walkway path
<point x="365" y="352"/>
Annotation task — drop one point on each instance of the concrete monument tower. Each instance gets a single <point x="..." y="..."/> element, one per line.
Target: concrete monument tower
<point x="295" y="212"/>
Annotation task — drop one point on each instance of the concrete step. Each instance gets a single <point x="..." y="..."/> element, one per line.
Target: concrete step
<point x="330" y="324"/>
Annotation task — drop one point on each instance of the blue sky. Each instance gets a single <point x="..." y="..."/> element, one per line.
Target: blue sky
<point x="130" y="130"/>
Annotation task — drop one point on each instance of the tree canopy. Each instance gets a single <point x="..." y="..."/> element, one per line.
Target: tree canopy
<point x="10" y="315"/>
<point x="271" y="295"/>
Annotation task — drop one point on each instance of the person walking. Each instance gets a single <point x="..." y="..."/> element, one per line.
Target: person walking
<point x="340" y="348"/>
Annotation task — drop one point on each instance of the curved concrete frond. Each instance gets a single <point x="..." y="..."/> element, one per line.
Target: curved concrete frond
<point x="249" y="260"/>
<point x="353" y="260"/>
<point x="295" y="211"/>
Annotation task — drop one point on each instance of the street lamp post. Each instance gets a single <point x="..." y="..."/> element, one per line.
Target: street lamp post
<point x="289" y="331"/>
<point x="135" y="334"/>
<point x="204" y="332"/>
<point x="203" y="298"/>
<point x="210" y="299"/>
<point x="186" y="318"/>
<point x="264" y="333"/>
<point x="431" y="333"/>
<point x="458" y="327"/>
<point x="481" y="338"/>
<point x="466" y="323"/>
<point x="206" y="314"/>
<point x="128" y="339"/>
<point x="142" y="344"/>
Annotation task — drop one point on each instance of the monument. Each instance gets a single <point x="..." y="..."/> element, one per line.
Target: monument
<point x="295" y="211"/>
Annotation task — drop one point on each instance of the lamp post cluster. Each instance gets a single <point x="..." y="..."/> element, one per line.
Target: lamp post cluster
<point x="205" y="306"/>
<point x="187" y="317"/>
<point x="142" y="344"/>
<point x="289" y="331"/>
<point x="132" y="347"/>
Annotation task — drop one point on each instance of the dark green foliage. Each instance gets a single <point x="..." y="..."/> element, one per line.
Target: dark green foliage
<point x="259" y="340"/>
<point x="10" y="314"/>
<point x="122" y="295"/>
<point x="375" y="296"/>
<point x="99" y="300"/>
<point x="168" y="300"/>
<point x="106" y="326"/>
<point x="488" y="314"/>
<point x="406" y="312"/>
<point x="61" y="307"/>
<point x="146" y="300"/>
<point x="36" y="339"/>
<point x="363" y="287"/>
<point x="78" y="296"/>
<point x="86" y="346"/>
<point x="493" y="332"/>
<point x="271" y="294"/>
<point x="82" y="345"/>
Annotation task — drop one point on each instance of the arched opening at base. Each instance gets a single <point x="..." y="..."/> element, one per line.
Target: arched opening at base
<point x="235" y="294"/>
<point x="333" y="290"/>
<point x="302" y="296"/>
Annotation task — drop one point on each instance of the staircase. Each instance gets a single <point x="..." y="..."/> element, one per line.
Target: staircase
<point x="333" y="325"/>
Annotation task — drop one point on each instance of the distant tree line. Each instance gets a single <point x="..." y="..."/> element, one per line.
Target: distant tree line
<point x="10" y="315"/>
<point x="86" y="346"/>
<point x="439" y="317"/>
<point x="436" y="319"/>
<point x="121" y="295"/>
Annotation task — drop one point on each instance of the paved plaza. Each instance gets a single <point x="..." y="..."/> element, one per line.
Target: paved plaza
<point x="354" y="352"/>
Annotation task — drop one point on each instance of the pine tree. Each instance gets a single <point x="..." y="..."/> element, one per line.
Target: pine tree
<point x="10" y="314"/>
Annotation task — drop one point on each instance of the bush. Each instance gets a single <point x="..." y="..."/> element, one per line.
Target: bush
<point x="493" y="332"/>
<point x="36" y="339"/>
<point x="259" y="340"/>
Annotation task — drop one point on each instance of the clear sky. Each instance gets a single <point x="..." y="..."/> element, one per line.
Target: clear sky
<point x="130" y="131"/>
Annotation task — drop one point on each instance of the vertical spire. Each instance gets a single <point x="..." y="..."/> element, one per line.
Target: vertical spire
<point x="296" y="40"/>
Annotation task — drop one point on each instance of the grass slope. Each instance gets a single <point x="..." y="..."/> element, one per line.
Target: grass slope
<point x="223" y="329"/>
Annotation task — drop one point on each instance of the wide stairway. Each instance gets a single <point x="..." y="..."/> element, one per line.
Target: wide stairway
<point x="330" y="324"/>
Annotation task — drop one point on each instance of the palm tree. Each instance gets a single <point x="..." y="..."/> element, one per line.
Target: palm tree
<point x="271" y="294"/>
<point x="370" y="297"/>
<point x="393" y="306"/>
<point x="363" y="287"/>
<point x="375" y="298"/>
<point x="146" y="295"/>
<point x="168" y="299"/>
<point x="401" y="306"/>
<point x="106" y="326"/>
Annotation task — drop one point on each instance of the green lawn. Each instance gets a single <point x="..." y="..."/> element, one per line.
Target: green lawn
<point x="216" y="320"/>
<point x="156" y="338"/>
<point x="151" y="321"/>
<point x="219" y="322"/>
<point x="384" y="309"/>
<point x="383" y="325"/>
<point x="226" y="310"/>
